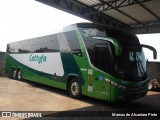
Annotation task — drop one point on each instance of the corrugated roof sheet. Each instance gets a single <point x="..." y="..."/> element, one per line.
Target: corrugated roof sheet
<point x="132" y="9"/>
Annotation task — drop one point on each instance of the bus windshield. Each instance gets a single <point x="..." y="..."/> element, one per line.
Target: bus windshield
<point x="129" y="65"/>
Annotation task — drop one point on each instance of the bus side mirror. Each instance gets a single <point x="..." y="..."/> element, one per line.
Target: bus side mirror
<point x="152" y="49"/>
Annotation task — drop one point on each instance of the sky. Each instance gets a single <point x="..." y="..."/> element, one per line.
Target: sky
<point x="152" y="40"/>
<point x="24" y="19"/>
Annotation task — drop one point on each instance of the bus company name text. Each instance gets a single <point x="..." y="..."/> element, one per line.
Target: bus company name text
<point x="38" y="58"/>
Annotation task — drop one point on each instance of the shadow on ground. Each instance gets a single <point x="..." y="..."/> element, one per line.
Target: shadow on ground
<point x="150" y="103"/>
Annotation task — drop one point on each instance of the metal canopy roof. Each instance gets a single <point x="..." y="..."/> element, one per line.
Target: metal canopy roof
<point x="137" y="16"/>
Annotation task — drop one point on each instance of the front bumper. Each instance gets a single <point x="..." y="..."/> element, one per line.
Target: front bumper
<point x="134" y="93"/>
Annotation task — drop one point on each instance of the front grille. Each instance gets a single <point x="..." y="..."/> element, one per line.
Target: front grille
<point x="134" y="96"/>
<point x="134" y="89"/>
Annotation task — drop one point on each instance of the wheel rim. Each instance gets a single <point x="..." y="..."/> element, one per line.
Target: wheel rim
<point x="14" y="74"/>
<point x="19" y="75"/>
<point x="75" y="88"/>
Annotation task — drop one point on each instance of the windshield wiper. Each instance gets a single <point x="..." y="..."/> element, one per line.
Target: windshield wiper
<point x="139" y="66"/>
<point x="133" y="68"/>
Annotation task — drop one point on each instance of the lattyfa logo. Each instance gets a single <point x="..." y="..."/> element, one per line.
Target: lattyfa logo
<point x="38" y="58"/>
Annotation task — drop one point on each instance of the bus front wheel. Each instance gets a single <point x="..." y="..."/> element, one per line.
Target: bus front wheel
<point x="75" y="88"/>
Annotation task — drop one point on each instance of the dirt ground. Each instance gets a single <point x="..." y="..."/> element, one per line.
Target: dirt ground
<point x="29" y="96"/>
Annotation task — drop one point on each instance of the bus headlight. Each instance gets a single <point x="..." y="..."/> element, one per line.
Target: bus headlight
<point x="114" y="83"/>
<point x="118" y="85"/>
<point x="122" y="87"/>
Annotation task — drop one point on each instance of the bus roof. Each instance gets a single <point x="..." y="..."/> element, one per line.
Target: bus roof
<point x="125" y="37"/>
<point x="109" y="30"/>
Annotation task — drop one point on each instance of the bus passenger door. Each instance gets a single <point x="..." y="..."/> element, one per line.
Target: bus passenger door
<point x="101" y="59"/>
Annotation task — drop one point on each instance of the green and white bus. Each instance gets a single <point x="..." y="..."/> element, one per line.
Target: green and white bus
<point x="89" y="59"/>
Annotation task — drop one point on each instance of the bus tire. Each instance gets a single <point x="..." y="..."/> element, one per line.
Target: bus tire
<point x="75" y="88"/>
<point x="14" y="74"/>
<point x="19" y="75"/>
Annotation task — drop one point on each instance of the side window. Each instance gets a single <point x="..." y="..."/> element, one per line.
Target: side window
<point x="51" y="44"/>
<point x="100" y="56"/>
<point x="99" y="51"/>
<point x="72" y="39"/>
<point x="63" y="44"/>
<point x="38" y="45"/>
<point x="8" y="48"/>
<point x="21" y="47"/>
<point x="27" y="46"/>
<point x="12" y="48"/>
<point x="16" y="49"/>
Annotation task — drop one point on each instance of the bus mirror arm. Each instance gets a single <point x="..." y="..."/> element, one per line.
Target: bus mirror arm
<point x="152" y="49"/>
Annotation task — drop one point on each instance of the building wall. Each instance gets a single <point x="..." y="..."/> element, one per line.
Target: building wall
<point x="153" y="69"/>
<point x="2" y="63"/>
